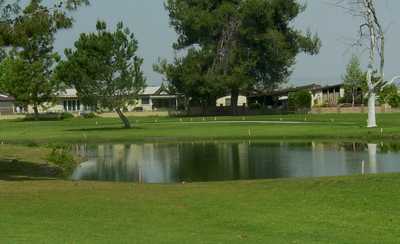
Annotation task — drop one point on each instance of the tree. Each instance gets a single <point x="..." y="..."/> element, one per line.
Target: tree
<point x="26" y="40"/>
<point x="186" y="76"/>
<point x="372" y="32"/>
<point x="252" y="42"/>
<point x="105" y="69"/>
<point x="390" y="95"/>
<point x="354" y="79"/>
<point x="300" y="101"/>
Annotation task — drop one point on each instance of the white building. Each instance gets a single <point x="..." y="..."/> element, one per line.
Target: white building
<point x="227" y="101"/>
<point x="153" y="98"/>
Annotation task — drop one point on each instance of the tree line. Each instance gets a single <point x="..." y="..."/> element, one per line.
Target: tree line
<point x="225" y="47"/>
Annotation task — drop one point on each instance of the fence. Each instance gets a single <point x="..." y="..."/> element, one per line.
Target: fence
<point x="353" y="110"/>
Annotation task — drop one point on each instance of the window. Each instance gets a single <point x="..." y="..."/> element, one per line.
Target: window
<point x="146" y="100"/>
<point x="72" y="105"/>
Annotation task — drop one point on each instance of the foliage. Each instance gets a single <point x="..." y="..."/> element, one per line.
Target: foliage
<point x="251" y="43"/>
<point x="105" y="69"/>
<point x="28" y="35"/>
<point x="186" y="76"/>
<point x="300" y="100"/>
<point x="48" y="116"/>
<point x="354" y="81"/>
<point x="89" y="116"/>
<point x="61" y="156"/>
<point x="390" y="95"/>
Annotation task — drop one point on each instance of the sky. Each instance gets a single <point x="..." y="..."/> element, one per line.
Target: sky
<point x="336" y="28"/>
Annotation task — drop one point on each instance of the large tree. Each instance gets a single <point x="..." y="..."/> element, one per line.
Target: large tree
<point x="185" y="75"/>
<point x="253" y="42"/>
<point x="26" y="39"/>
<point x="105" y="69"/>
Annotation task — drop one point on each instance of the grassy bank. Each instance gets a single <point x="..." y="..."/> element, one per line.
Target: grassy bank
<point x="338" y="126"/>
<point x="20" y="162"/>
<point x="329" y="210"/>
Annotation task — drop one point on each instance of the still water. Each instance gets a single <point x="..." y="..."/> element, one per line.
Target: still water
<point x="220" y="161"/>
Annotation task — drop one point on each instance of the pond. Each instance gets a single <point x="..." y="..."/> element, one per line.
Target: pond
<point x="223" y="161"/>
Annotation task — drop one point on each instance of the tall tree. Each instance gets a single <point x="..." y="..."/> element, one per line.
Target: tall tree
<point x="26" y="38"/>
<point x="354" y="79"/>
<point x="186" y="76"/>
<point x="252" y="42"/>
<point x="371" y="32"/>
<point x="105" y="69"/>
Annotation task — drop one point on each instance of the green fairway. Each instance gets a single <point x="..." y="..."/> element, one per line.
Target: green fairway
<point x="335" y="126"/>
<point x="354" y="209"/>
<point x="329" y="210"/>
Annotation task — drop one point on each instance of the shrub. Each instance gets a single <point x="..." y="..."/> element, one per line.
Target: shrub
<point x="254" y="106"/>
<point x="299" y="101"/>
<point x="62" y="156"/>
<point x="394" y="101"/>
<point x="48" y="116"/>
<point x="89" y="116"/>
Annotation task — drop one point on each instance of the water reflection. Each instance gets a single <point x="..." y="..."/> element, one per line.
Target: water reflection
<point x="218" y="161"/>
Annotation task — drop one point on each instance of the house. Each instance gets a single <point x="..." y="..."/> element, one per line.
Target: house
<point x="328" y="95"/>
<point x="153" y="98"/>
<point x="227" y="101"/>
<point x="7" y="104"/>
<point x="156" y="98"/>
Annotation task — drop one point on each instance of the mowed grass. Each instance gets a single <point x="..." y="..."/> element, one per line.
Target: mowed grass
<point x="357" y="209"/>
<point x="335" y="126"/>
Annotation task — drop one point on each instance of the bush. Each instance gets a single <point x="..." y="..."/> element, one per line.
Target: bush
<point x="61" y="156"/>
<point x="89" y="116"/>
<point x="394" y="101"/>
<point x="299" y="101"/>
<point x="255" y="106"/>
<point x="48" y="116"/>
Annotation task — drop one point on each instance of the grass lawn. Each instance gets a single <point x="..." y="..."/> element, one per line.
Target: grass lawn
<point x="358" y="209"/>
<point x="321" y="127"/>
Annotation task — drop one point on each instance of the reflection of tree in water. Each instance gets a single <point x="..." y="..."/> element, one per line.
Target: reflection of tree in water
<point x="175" y="162"/>
<point x="267" y="160"/>
<point x="136" y="162"/>
<point x="204" y="162"/>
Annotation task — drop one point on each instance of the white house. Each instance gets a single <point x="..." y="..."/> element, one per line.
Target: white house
<point x="153" y="98"/>
<point x="156" y="98"/>
<point x="227" y="101"/>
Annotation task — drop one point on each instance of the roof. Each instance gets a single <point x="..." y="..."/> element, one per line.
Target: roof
<point x="6" y="98"/>
<point x="68" y="93"/>
<point x="151" y="90"/>
<point x="310" y="87"/>
<point x="148" y="91"/>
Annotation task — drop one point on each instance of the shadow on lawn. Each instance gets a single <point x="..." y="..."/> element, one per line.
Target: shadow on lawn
<point x="14" y="170"/>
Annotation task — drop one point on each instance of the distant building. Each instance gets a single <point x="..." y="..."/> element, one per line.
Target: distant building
<point x="156" y="98"/>
<point x="7" y="104"/>
<point x="321" y="96"/>
<point x="153" y="98"/>
<point x="227" y="101"/>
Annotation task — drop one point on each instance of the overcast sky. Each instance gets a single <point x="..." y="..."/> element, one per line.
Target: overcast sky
<point x="337" y="29"/>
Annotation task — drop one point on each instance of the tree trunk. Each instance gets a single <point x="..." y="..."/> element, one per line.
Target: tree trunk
<point x="354" y="98"/>
<point x="372" y="110"/>
<point x="234" y="100"/>
<point x="124" y="119"/>
<point x="36" y="112"/>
